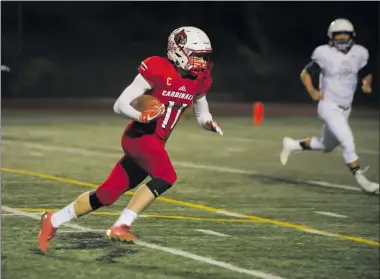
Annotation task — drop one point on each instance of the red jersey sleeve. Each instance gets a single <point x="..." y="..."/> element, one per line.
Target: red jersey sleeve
<point x="151" y="70"/>
<point x="205" y="83"/>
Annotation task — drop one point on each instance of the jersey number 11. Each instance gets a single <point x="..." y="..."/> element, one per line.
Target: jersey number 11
<point x="168" y="114"/>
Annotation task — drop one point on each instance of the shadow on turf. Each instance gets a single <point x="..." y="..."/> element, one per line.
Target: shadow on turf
<point x="113" y="250"/>
<point x="269" y="179"/>
<point x="272" y="180"/>
<point x="89" y="241"/>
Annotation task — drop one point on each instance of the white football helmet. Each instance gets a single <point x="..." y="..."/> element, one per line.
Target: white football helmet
<point x="341" y="25"/>
<point x="188" y="41"/>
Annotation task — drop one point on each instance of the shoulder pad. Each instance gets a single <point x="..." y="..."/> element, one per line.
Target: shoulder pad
<point x="153" y="68"/>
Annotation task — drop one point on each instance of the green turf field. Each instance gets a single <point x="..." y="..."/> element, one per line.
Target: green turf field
<point x="270" y="220"/>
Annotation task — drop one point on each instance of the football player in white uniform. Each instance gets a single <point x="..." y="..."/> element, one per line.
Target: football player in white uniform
<point x="340" y="64"/>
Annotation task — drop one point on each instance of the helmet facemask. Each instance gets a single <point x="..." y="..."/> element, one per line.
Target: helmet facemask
<point x="199" y="62"/>
<point x="343" y="41"/>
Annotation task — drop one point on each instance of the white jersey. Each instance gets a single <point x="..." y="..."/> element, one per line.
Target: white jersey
<point x="339" y="76"/>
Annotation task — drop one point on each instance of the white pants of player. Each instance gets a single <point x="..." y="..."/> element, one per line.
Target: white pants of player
<point x="335" y="131"/>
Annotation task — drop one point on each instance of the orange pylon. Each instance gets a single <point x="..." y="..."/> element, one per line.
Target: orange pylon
<point x="258" y="113"/>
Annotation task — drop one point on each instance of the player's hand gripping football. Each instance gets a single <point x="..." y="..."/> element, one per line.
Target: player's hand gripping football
<point x="213" y="127"/>
<point x="153" y="112"/>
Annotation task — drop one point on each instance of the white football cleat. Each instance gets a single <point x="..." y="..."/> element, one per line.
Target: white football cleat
<point x="366" y="185"/>
<point x="289" y="145"/>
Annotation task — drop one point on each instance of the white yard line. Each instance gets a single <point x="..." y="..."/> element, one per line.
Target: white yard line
<point x="331" y="214"/>
<point x="231" y="214"/>
<point x="46" y="132"/>
<point x="229" y="151"/>
<point x="258" y="140"/>
<point x="319" y="233"/>
<point x="235" y="149"/>
<point x="368" y="151"/>
<point x="212" y="232"/>
<point x="206" y="137"/>
<point x="85" y="152"/>
<point x="254" y="273"/>
<point x="36" y="154"/>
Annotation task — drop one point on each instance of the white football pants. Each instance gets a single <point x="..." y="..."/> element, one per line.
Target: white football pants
<point x="335" y="131"/>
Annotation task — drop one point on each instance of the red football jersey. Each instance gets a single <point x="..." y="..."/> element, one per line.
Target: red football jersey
<point x="172" y="90"/>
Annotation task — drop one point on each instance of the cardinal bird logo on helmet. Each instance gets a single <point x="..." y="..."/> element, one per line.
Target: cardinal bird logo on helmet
<point x="180" y="38"/>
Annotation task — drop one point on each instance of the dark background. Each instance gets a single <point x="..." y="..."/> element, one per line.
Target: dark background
<point x="93" y="49"/>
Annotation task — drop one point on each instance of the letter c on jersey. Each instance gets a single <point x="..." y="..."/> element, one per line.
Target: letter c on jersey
<point x="168" y="81"/>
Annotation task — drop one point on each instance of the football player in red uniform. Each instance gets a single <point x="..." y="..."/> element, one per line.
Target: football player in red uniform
<point x="178" y="82"/>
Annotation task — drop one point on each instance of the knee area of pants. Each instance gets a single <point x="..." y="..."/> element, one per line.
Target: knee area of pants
<point x="170" y="178"/>
<point x="328" y="149"/>
<point x="329" y="146"/>
<point x="106" y="197"/>
<point x="158" y="186"/>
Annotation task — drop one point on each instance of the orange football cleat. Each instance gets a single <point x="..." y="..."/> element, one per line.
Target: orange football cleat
<point x="121" y="233"/>
<point x="47" y="231"/>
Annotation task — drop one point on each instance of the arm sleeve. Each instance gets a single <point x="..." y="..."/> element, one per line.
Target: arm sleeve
<point x="313" y="68"/>
<point x="123" y="106"/>
<point x="317" y="57"/>
<point x="202" y="113"/>
<point x="364" y="58"/>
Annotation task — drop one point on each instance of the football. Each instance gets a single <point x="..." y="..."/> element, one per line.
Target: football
<point x="141" y="103"/>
